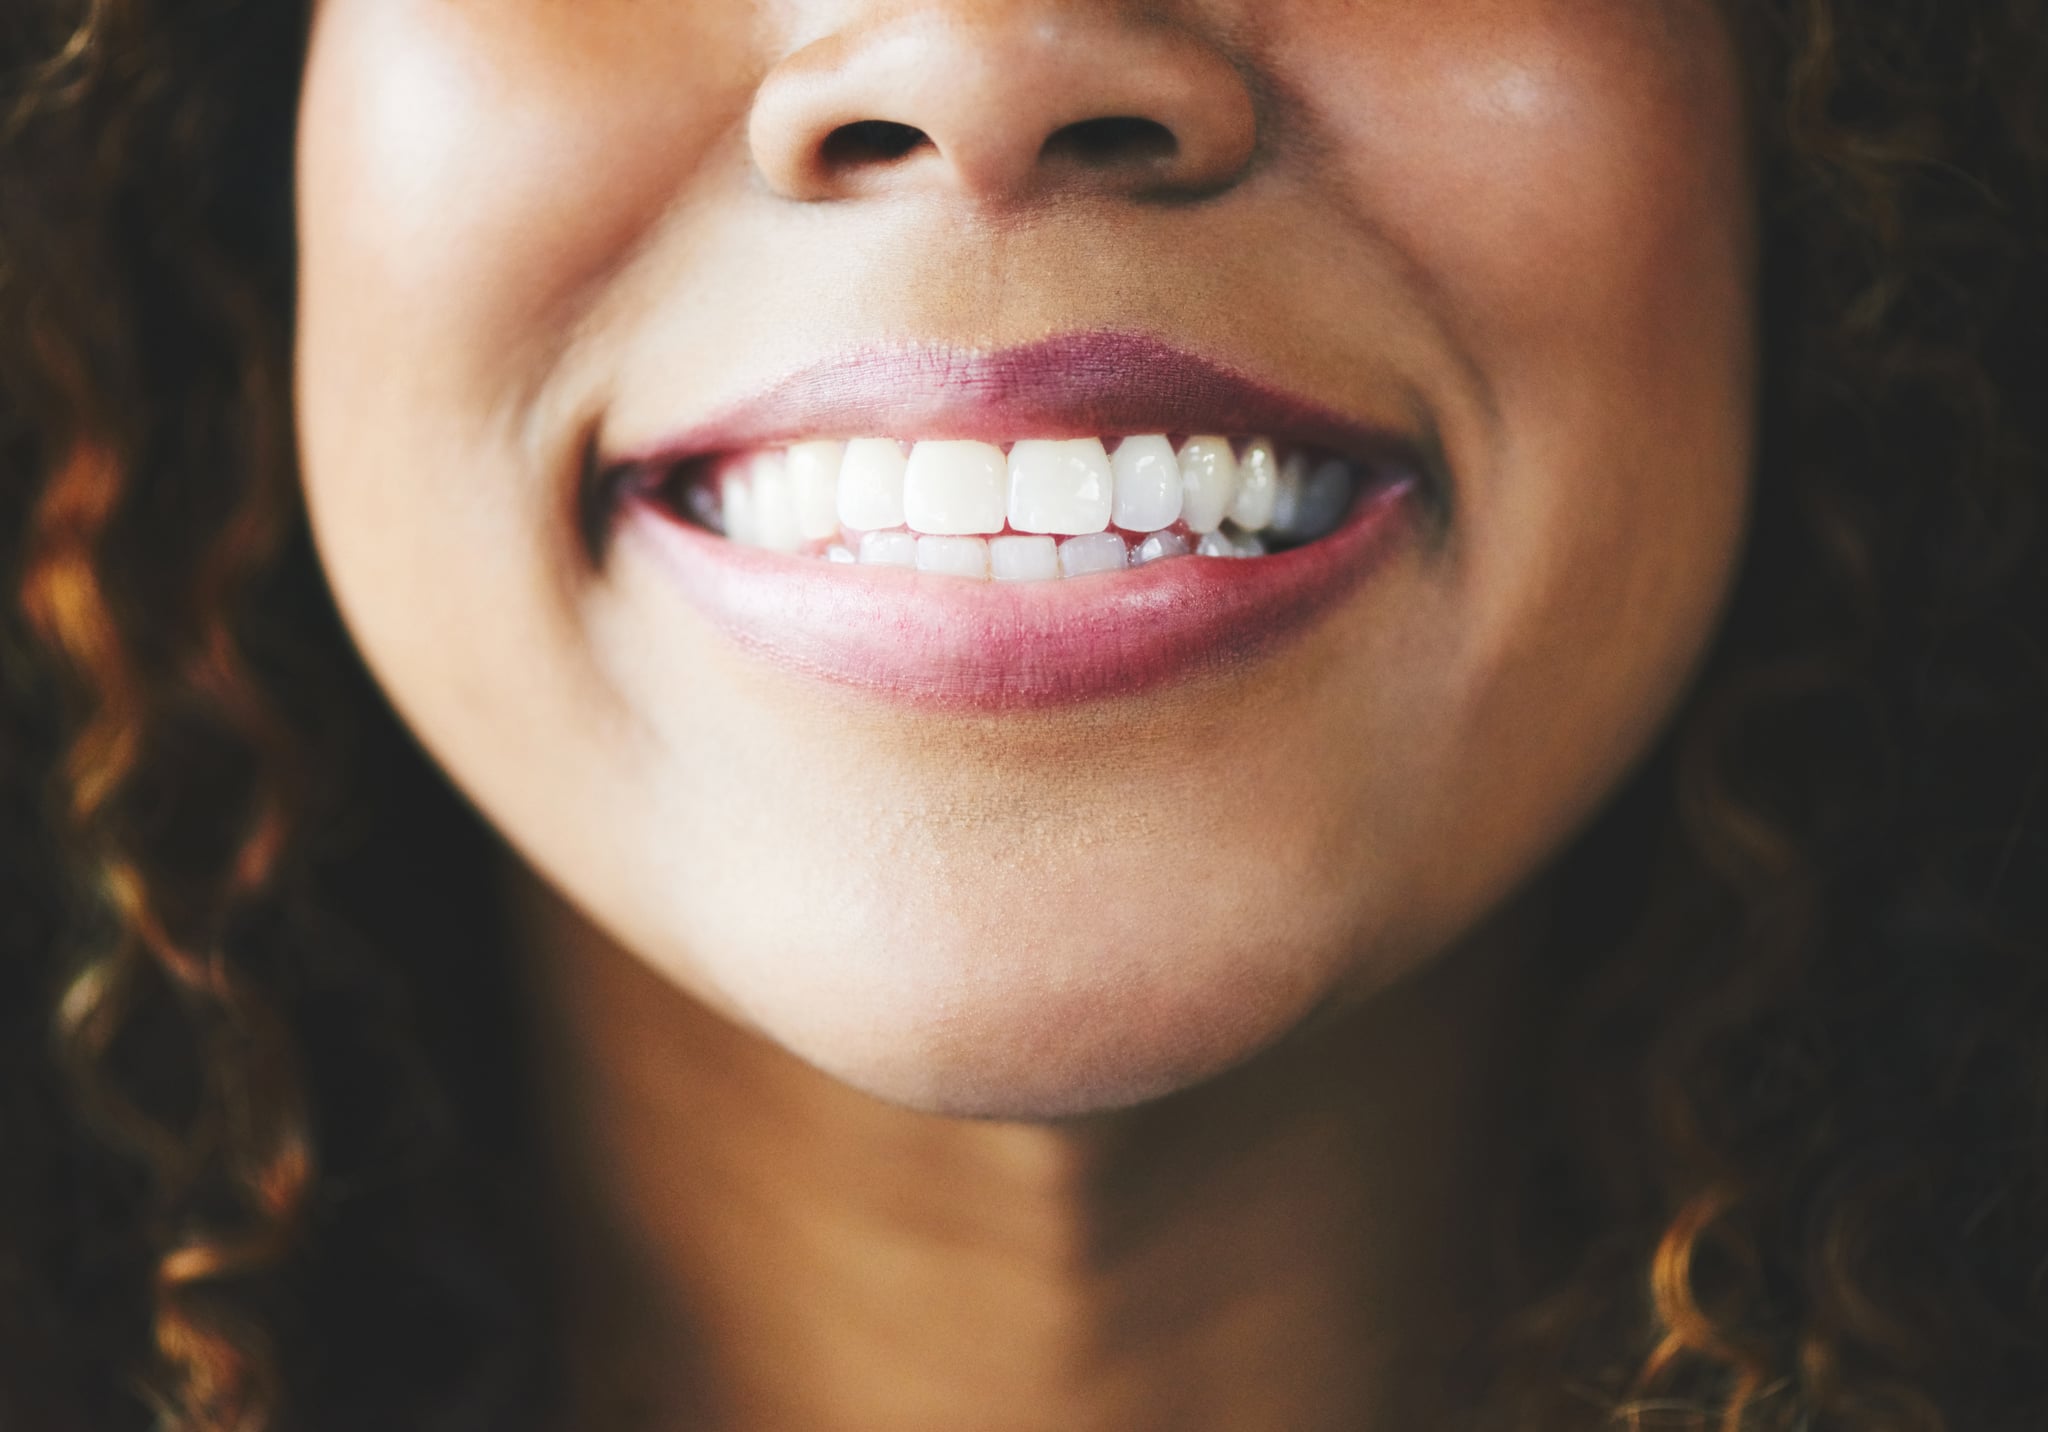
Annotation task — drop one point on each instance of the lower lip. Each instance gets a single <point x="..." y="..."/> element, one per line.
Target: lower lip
<point x="944" y="643"/>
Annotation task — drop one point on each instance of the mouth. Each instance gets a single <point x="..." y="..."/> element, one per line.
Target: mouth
<point x="1036" y="509"/>
<point x="1083" y="517"/>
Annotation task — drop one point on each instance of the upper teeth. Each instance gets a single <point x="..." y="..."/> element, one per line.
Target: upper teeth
<point x="849" y="493"/>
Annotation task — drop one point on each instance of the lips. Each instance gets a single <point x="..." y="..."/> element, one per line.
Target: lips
<point x="941" y="642"/>
<point x="1069" y="386"/>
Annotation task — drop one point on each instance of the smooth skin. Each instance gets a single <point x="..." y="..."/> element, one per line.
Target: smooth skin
<point x="1119" y="1066"/>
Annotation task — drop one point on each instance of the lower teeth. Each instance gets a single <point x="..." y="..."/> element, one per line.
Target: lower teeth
<point x="1018" y="557"/>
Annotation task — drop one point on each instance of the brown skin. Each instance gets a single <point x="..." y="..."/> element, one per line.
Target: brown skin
<point x="526" y="224"/>
<point x="1287" y="1247"/>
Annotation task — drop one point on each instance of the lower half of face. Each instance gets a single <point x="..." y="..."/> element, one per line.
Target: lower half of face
<point x="1022" y="552"/>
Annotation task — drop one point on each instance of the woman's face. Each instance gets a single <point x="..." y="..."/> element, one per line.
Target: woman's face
<point x="1027" y="848"/>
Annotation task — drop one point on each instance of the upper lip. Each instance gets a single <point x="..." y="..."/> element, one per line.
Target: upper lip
<point x="1084" y="384"/>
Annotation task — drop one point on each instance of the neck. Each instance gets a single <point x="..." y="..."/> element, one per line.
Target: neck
<point x="754" y="1245"/>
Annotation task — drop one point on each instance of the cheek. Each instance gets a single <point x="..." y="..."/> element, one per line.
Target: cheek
<point x="1517" y="150"/>
<point x="469" y="181"/>
<point x="469" y="178"/>
<point x="1567" y="182"/>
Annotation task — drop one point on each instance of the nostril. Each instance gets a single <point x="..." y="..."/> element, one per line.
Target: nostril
<point x="1006" y="104"/>
<point x="871" y="141"/>
<point x="1112" y="141"/>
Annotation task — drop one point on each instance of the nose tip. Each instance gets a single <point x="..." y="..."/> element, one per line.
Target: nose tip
<point x="1003" y="107"/>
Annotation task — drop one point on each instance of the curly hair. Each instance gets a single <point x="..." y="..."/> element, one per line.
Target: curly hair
<point x="1786" y="1165"/>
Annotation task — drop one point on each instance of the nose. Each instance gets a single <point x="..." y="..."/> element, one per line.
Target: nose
<point x="1002" y="102"/>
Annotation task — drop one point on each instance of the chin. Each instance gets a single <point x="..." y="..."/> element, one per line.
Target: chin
<point x="1042" y="1023"/>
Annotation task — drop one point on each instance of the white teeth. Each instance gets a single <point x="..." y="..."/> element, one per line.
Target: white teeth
<point x="1287" y="492"/>
<point x="736" y="497"/>
<point x="814" y="488"/>
<point x="888" y="549"/>
<point x="1323" y="500"/>
<point x="706" y="504"/>
<point x="953" y="556"/>
<point x="871" y="484"/>
<point x="1097" y="552"/>
<point x="1257" y="473"/>
<point x="1023" y="559"/>
<point x="1159" y="544"/>
<point x="955" y="489"/>
<point x="1061" y="487"/>
<point x="1148" y="485"/>
<point x="884" y="502"/>
<point x="1208" y="470"/>
<point x="775" y="524"/>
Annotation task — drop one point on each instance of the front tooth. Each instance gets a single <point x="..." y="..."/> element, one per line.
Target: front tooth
<point x="954" y="489"/>
<point x="775" y="523"/>
<point x="1258" y="471"/>
<point x="1023" y="559"/>
<point x="1208" y="470"/>
<point x="889" y="549"/>
<point x="1215" y="544"/>
<point x="1096" y="552"/>
<point x="1061" y="487"/>
<point x="953" y="556"/>
<point x="871" y="484"/>
<point x="1148" y="485"/>
<point x="1159" y="544"/>
<point x="736" y="505"/>
<point x="814" y="486"/>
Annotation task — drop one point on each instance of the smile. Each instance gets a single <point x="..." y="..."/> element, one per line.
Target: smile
<point x="1032" y="510"/>
<point x="1034" y="527"/>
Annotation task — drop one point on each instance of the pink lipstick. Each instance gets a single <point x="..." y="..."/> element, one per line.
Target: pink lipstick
<point x="940" y="642"/>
